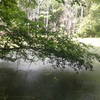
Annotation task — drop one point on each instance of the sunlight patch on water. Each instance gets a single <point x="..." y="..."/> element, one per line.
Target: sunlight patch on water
<point x="90" y="41"/>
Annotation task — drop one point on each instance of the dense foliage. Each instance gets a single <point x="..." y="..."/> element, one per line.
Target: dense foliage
<point x="27" y="39"/>
<point x="90" y="27"/>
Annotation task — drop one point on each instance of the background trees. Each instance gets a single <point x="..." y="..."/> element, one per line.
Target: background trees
<point x="70" y="17"/>
<point x="90" y="25"/>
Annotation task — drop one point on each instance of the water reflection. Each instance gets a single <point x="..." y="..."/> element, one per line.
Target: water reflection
<point x="45" y="84"/>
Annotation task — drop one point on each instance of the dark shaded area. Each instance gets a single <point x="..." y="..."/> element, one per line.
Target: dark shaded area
<point x="44" y="85"/>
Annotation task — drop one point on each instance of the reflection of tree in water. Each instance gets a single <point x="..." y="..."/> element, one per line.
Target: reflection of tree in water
<point x="34" y="85"/>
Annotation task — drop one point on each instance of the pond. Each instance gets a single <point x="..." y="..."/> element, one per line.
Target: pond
<point x="38" y="81"/>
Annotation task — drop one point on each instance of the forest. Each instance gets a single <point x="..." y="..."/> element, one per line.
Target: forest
<point x="49" y="49"/>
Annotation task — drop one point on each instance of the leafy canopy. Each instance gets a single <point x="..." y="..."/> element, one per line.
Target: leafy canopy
<point x="27" y="39"/>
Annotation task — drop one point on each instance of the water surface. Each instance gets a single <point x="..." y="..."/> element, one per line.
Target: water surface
<point x="37" y="81"/>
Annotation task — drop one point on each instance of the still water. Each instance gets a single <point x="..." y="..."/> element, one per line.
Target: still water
<point x="38" y="81"/>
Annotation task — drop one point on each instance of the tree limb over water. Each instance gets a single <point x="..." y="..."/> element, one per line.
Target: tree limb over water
<point x="29" y="39"/>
